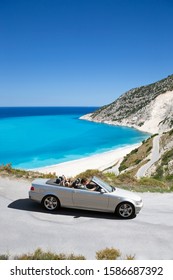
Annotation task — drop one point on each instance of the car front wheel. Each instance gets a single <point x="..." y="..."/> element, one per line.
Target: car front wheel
<point x="51" y="202"/>
<point x="125" y="210"/>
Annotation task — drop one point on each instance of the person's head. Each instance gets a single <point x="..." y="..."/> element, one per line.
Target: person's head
<point x="84" y="181"/>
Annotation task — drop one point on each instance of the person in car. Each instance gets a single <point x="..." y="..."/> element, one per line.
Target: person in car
<point x="84" y="183"/>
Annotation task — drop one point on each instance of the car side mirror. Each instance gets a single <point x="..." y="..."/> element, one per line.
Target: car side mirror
<point x="102" y="191"/>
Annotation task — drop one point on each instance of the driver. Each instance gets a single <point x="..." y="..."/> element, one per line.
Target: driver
<point x="84" y="183"/>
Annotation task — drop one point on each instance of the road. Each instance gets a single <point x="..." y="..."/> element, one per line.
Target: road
<point x="155" y="155"/>
<point x="25" y="226"/>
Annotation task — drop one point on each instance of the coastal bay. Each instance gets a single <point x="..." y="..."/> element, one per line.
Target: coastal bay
<point x="102" y="161"/>
<point x="41" y="138"/>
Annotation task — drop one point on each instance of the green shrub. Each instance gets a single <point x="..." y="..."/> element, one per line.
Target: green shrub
<point x="169" y="177"/>
<point x="149" y="149"/>
<point x="171" y="132"/>
<point x="158" y="173"/>
<point x="122" y="167"/>
<point x="133" y="151"/>
<point x="167" y="157"/>
<point x="137" y="161"/>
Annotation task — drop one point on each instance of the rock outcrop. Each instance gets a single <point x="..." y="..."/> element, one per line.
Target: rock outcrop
<point x="147" y="108"/>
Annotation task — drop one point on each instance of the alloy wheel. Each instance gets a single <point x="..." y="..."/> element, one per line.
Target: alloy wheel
<point x="50" y="203"/>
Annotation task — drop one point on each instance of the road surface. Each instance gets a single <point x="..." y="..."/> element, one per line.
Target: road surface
<point x="25" y="226"/>
<point x="155" y="155"/>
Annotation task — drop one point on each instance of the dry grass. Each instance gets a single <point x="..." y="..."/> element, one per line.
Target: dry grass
<point x="7" y="170"/>
<point x="108" y="254"/>
<point x="39" y="254"/>
<point x="137" y="156"/>
<point x="112" y="254"/>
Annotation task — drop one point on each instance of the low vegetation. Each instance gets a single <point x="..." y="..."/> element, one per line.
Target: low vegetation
<point x="4" y="257"/>
<point x="112" y="254"/>
<point x="165" y="166"/>
<point x="39" y="254"/>
<point x="8" y="170"/>
<point x="137" y="156"/>
<point x="125" y="180"/>
<point x="129" y="182"/>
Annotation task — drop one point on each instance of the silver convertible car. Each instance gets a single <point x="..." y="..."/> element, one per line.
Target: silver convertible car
<point x="104" y="198"/>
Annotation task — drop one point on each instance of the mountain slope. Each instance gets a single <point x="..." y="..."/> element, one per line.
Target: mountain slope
<point x="147" y="108"/>
<point x="144" y="162"/>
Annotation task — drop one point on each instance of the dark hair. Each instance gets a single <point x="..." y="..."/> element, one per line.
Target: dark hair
<point x="83" y="180"/>
<point x="76" y="183"/>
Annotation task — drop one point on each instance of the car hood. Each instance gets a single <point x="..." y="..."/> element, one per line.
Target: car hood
<point x="126" y="194"/>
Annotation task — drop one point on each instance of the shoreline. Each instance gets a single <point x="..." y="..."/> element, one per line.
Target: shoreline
<point x="99" y="161"/>
<point x="87" y="117"/>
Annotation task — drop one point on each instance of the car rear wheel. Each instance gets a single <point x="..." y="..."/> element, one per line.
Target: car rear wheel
<point x="51" y="202"/>
<point x="125" y="210"/>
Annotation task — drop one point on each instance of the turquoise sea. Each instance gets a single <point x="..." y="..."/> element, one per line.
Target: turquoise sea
<point x="33" y="137"/>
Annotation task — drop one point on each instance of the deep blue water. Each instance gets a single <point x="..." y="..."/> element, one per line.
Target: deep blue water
<point x="33" y="137"/>
<point x="8" y="112"/>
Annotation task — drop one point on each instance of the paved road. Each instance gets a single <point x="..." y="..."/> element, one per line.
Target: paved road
<point x="155" y="155"/>
<point x="24" y="226"/>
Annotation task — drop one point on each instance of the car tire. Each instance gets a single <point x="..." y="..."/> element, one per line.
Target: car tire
<point x="125" y="210"/>
<point x="51" y="202"/>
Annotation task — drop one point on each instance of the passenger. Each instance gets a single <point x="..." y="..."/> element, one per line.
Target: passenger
<point x="76" y="183"/>
<point x="62" y="181"/>
<point x="68" y="182"/>
<point x="58" y="180"/>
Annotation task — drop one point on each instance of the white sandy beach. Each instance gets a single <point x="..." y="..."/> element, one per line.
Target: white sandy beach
<point x="99" y="161"/>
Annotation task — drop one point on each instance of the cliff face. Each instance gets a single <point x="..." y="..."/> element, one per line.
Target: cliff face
<point x="147" y="108"/>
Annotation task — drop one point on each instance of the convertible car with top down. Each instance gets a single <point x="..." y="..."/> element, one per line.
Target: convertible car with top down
<point x="105" y="198"/>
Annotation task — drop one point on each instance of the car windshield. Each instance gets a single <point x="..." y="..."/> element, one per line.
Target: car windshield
<point x="103" y="184"/>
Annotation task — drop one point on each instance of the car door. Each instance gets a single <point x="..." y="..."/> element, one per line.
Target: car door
<point x="93" y="200"/>
<point x="65" y="195"/>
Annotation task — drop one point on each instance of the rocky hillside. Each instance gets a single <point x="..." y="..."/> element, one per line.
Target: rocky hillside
<point x="164" y="166"/>
<point x="147" y="108"/>
<point x="161" y="168"/>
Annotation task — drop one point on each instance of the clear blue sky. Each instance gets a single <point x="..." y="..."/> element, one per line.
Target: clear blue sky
<point x="81" y="52"/>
